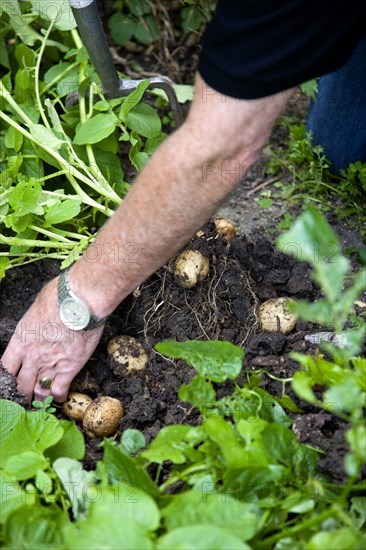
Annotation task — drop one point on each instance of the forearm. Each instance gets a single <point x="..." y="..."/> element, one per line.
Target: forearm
<point x="177" y="192"/>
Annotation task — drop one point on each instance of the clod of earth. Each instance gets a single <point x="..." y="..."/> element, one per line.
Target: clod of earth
<point x="274" y="316"/>
<point x="102" y="416"/>
<point x="126" y="355"/>
<point x="225" y="229"/>
<point x="191" y="267"/>
<point x="75" y="405"/>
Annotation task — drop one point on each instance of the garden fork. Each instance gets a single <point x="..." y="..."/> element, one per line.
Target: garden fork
<point x="93" y="37"/>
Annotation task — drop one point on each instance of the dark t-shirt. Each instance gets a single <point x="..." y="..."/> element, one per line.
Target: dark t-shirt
<point x="255" y="48"/>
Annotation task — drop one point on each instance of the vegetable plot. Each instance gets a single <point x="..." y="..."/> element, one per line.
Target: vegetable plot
<point x="240" y="478"/>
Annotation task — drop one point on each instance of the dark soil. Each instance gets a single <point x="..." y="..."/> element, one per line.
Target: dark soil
<point x="243" y="274"/>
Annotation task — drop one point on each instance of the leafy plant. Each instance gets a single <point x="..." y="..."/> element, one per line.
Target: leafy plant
<point x="311" y="179"/>
<point x="60" y="172"/>
<point x="45" y="405"/>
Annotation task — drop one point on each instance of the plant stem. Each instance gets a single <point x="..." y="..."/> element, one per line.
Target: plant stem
<point x="58" y="77"/>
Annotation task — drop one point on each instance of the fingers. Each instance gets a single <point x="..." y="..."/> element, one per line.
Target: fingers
<point x="60" y="386"/>
<point x="11" y="359"/>
<point x="27" y="379"/>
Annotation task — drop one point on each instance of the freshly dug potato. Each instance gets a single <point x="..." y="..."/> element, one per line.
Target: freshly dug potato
<point x="190" y="268"/>
<point x="102" y="417"/>
<point x="126" y="355"/>
<point x="274" y="316"/>
<point x="225" y="229"/>
<point x="75" y="405"/>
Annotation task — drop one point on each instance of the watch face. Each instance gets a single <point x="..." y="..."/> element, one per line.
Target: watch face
<point x="74" y="314"/>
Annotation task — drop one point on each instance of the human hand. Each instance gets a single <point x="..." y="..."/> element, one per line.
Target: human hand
<point x="43" y="347"/>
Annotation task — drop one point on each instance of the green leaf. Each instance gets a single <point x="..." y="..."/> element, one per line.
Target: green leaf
<point x="71" y="445"/>
<point x="311" y="239"/>
<point x="62" y="211"/>
<point x="184" y="92"/>
<point x="215" y="360"/>
<point x="146" y="30"/>
<point x="123" y="468"/>
<point x="12" y="496"/>
<point x="13" y="139"/>
<point x="169" y="444"/>
<point x="25" y="465"/>
<point x="95" y="129"/>
<point x="133" y="441"/>
<point x="133" y="99"/>
<point x="144" y="120"/>
<point x="45" y="136"/>
<point x="22" y="431"/>
<point x="58" y="12"/>
<point x="201" y="537"/>
<point x="153" y="142"/>
<point x="122" y="27"/>
<point x="76" y="482"/>
<point x="209" y="506"/>
<point x="25" y="196"/>
<point x="109" y="532"/>
<point x="31" y="527"/>
<point x="198" y="393"/>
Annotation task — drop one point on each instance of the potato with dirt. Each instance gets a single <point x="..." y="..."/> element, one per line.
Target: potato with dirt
<point x="225" y="229"/>
<point x="191" y="267"/>
<point x="75" y="405"/>
<point x="275" y="316"/>
<point x="126" y="355"/>
<point x="102" y="416"/>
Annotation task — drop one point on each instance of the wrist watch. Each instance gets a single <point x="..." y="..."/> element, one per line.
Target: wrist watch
<point x="73" y="312"/>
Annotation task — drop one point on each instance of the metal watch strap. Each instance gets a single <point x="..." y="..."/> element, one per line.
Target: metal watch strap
<point x="64" y="292"/>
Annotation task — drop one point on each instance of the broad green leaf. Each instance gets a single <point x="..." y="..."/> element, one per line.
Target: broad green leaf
<point x="133" y="441"/>
<point x="109" y="532"/>
<point x="126" y="502"/>
<point x="192" y="18"/>
<point x="311" y="239"/>
<point x="213" y="508"/>
<point x="45" y="136"/>
<point x="22" y="431"/>
<point x="144" y="120"/>
<point x="95" y="129"/>
<point x="231" y="447"/>
<point x="198" y="393"/>
<point x="12" y="496"/>
<point x="358" y="511"/>
<point x="25" y="465"/>
<point x="4" y="54"/>
<point x="184" y="92"/>
<point x="133" y="99"/>
<point x="153" y="142"/>
<point x="69" y="83"/>
<point x="63" y="211"/>
<point x="330" y="277"/>
<point x="122" y="27"/>
<point x="310" y="88"/>
<point x="55" y="71"/>
<point x="123" y="468"/>
<point x="340" y="539"/>
<point x="146" y="30"/>
<point x="139" y="7"/>
<point x="13" y="139"/>
<point x="35" y="527"/>
<point x="201" y="537"/>
<point x="25" y="196"/>
<point x="71" y="445"/>
<point x="25" y="56"/>
<point x="59" y="12"/>
<point x="315" y="312"/>
<point x="169" y="444"/>
<point x="77" y="483"/>
<point x="215" y="360"/>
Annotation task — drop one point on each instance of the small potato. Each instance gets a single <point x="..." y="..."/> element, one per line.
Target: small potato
<point x="126" y="355"/>
<point x="102" y="417"/>
<point x="274" y="316"/>
<point x="75" y="405"/>
<point x="190" y="268"/>
<point x="225" y="229"/>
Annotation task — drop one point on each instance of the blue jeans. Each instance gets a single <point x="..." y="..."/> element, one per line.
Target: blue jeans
<point x="337" y="118"/>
